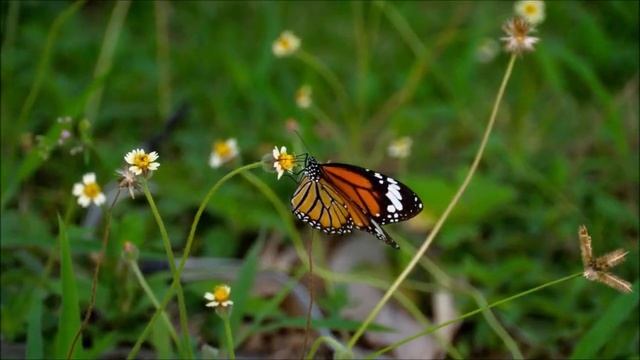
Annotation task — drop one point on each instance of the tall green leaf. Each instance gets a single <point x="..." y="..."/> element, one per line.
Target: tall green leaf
<point x="605" y="328"/>
<point x="69" y="321"/>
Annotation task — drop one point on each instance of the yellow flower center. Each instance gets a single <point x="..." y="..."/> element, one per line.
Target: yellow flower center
<point x="285" y="43"/>
<point x="221" y="293"/>
<point x="531" y="9"/>
<point x="287" y="161"/>
<point x="222" y="149"/>
<point x="142" y="161"/>
<point x="91" y="190"/>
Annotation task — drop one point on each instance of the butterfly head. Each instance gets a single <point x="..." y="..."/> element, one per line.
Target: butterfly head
<point x="312" y="168"/>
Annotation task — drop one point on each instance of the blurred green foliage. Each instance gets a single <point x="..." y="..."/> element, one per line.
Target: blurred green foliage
<point x="564" y="152"/>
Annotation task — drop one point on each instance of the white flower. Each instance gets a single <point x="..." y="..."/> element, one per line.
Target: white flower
<point x="88" y="190"/>
<point x="283" y="161"/>
<point x="141" y="162"/>
<point x="286" y="44"/>
<point x="530" y="10"/>
<point x="222" y="152"/>
<point x="400" y="148"/>
<point x="219" y="297"/>
<point x="518" y="39"/>
<point x="303" y="97"/>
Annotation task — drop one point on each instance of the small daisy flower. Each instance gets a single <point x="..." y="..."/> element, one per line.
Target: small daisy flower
<point x="400" y="148"/>
<point x="222" y="152"/>
<point x="283" y="161"/>
<point x="286" y="44"/>
<point x="128" y="180"/>
<point x="518" y="40"/>
<point x="219" y="297"/>
<point x="141" y="162"/>
<point x="530" y="10"/>
<point x="88" y="191"/>
<point x="303" y="97"/>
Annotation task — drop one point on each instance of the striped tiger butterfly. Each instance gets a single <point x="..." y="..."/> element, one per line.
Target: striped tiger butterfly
<point x="336" y="198"/>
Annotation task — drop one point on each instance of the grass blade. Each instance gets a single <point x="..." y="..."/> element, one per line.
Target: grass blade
<point x="69" y="321"/>
<point x="606" y="327"/>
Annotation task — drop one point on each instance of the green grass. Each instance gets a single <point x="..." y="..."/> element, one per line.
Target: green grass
<point x="564" y="152"/>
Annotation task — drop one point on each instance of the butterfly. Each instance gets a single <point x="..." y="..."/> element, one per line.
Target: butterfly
<point x="336" y="198"/>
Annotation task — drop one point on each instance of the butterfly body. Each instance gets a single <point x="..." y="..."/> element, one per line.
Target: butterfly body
<point x="336" y="198"/>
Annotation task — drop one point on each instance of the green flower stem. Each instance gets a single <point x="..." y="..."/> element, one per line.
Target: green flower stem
<point x="436" y="229"/>
<point x="229" y="336"/>
<point x="94" y="283"/>
<point x="185" y="255"/>
<point x="284" y="213"/>
<point x="481" y="301"/>
<point x="471" y="313"/>
<point x="154" y="300"/>
<point x="445" y="281"/>
<point x="186" y="343"/>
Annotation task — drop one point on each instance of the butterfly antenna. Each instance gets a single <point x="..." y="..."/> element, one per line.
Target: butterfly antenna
<point x="302" y="140"/>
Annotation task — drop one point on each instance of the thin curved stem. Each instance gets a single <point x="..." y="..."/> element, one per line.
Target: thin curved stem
<point x="182" y="308"/>
<point x="229" y="336"/>
<point x="471" y="313"/>
<point x="96" y="272"/>
<point x="154" y="300"/>
<point x="436" y="229"/>
<point x="185" y="255"/>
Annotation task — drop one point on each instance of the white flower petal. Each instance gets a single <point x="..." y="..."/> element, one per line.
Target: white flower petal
<point x="153" y="166"/>
<point x="215" y="160"/>
<point x="136" y="170"/>
<point x="276" y="153"/>
<point x="209" y="296"/>
<point x="84" y="201"/>
<point x="153" y="156"/>
<point x="227" y="303"/>
<point x="89" y="178"/>
<point x="78" y="189"/>
<point x="99" y="199"/>
<point x="129" y="157"/>
<point x="212" y="304"/>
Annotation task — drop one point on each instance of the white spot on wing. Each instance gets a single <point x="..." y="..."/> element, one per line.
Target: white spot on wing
<point x="394" y="196"/>
<point x="391" y="208"/>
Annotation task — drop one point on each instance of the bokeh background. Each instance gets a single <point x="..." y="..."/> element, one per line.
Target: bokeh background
<point x="181" y="75"/>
